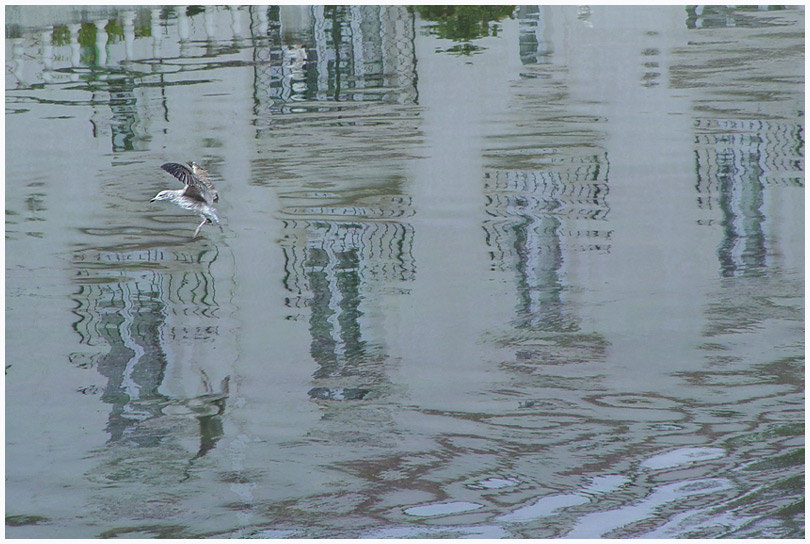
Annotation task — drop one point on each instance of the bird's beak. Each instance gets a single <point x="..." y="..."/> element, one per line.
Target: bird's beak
<point x="152" y="200"/>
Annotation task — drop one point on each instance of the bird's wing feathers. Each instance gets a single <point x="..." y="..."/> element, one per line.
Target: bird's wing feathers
<point x="198" y="185"/>
<point x="179" y="171"/>
<point x="202" y="174"/>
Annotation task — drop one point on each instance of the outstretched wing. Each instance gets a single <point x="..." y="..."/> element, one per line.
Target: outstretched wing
<point x="202" y="174"/>
<point x="179" y="171"/>
<point x="195" y="188"/>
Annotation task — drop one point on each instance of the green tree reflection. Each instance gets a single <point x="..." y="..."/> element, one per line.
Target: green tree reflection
<point x="464" y="23"/>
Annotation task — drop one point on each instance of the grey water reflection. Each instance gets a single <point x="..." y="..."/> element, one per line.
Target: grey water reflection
<point x="486" y="272"/>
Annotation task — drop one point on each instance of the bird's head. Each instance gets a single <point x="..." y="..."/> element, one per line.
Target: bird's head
<point x="163" y="195"/>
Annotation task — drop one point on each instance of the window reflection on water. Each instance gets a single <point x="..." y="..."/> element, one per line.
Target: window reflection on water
<point x="316" y="121"/>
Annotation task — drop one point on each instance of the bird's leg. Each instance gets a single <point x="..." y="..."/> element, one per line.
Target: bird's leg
<point x="215" y="219"/>
<point x="196" y="232"/>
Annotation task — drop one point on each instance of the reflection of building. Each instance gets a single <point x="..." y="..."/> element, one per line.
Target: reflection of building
<point x="736" y="162"/>
<point x="151" y="333"/>
<point x="336" y="266"/>
<point x="134" y="365"/>
<point x="350" y="243"/>
<point x="546" y="189"/>
<point x="535" y="48"/>
<point x="340" y="53"/>
<point x="549" y="202"/>
<point x="531" y="230"/>
<point x="702" y="16"/>
<point x="747" y="147"/>
<point x="302" y="56"/>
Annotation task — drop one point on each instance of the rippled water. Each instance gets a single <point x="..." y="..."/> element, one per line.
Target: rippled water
<point x="484" y="272"/>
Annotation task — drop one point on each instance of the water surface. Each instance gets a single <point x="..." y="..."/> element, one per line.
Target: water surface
<point x="486" y="273"/>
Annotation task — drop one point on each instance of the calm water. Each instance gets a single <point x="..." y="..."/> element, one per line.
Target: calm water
<point x="485" y="272"/>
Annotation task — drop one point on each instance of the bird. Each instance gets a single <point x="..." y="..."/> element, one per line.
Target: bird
<point x="198" y="195"/>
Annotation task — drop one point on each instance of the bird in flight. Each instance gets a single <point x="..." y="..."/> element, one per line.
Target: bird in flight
<point x="198" y="195"/>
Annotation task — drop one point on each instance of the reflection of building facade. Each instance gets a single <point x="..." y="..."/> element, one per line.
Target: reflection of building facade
<point x="540" y="214"/>
<point x="335" y="266"/>
<point x="154" y="335"/>
<point x="302" y="55"/>
<point x="736" y="163"/>
<point x="336" y="53"/>
<point x="532" y="230"/>
<point x="744" y="153"/>
<point x="547" y="200"/>
<point x="703" y="16"/>
<point x="535" y="48"/>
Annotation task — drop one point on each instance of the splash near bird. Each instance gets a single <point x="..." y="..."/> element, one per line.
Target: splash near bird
<point x="198" y="195"/>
